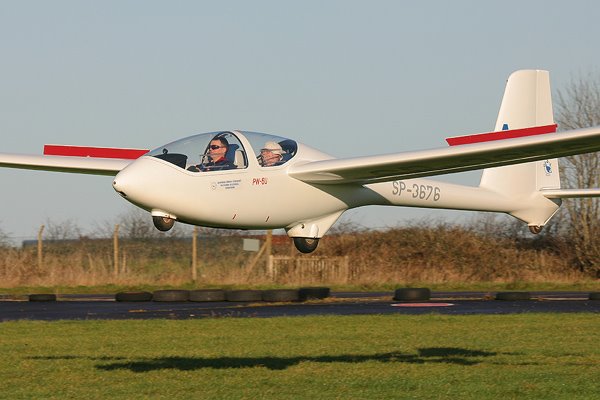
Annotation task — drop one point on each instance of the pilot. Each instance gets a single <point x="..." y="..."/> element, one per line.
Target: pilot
<point x="271" y="154"/>
<point x="216" y="157"/>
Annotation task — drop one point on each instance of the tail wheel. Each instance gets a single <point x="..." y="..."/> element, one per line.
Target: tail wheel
<point x="535" y="229"/>
<point x="163" y="223"/>
<point x="306" y="245"/>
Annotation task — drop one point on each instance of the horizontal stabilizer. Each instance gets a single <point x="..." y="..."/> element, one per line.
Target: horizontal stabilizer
<point x="570" y="193"/>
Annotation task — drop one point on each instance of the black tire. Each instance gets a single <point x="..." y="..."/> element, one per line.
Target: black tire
<point x="163" y="224"/>
<point x="243" y="295"/>
<point x="42" y="297"/>
<point x="306" y="245"/>
<point x="207" y="295"/>
<point x="595" y="296"/>
<point x="170" y="295"/>
<point x="412" y="294"/>
<point x="133" y="296"/>
<point x="513" y="296"/>
<point x="277" y="295"/>
<point x="313" y="293"/>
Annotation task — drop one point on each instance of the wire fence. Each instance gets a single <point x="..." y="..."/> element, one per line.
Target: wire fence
<point x="419" y="253"/>
<point x="176" y="259"/>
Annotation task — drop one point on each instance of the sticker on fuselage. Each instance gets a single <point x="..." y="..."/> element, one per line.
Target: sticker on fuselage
<point x="548" y="167"/>
<point x="228" y="184"/>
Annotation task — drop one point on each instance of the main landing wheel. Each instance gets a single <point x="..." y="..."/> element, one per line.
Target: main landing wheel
<point x="163" y="223"/>
<point x="306" y="245"/>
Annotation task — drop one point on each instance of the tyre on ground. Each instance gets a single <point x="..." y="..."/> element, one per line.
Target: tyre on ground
<point x="207" y="295"/>
<point x="594" y="296"/>
<point x="42" y="297"/>
<point x="313" y="293"/>
<point x="277" y="295"/>
<point x="133" y="296"/>
<point x="513" y="296"/>
<point x="243" y="295"/>
<point x="412" y="294"/>
<point x="172" y="295"/>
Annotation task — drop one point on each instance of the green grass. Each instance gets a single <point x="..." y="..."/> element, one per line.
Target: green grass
<point x="526" y="356"/>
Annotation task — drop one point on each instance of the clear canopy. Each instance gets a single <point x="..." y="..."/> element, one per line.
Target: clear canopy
<point x="227" y="150"/>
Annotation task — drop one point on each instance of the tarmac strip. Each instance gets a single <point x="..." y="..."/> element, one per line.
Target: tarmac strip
<point x="72" y="307"/>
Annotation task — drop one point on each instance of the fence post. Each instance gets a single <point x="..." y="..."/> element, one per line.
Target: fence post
<point x="270" y="268"/>
<point x="347" y="269"/>
<point x="116" y="251"/>
<point x="268" y="246"/>
<point x="40" y="253"/>
<point x="194" y="254"/>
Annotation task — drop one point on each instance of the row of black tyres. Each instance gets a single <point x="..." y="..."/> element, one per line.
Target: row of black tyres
<point x="276" y="295"/>
<point x="424" y="294"/>
<point x="208" y="295"/>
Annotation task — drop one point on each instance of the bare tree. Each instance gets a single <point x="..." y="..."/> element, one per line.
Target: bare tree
<point x="578" y="106"/>
<point x="62" y="230"/>
<point x="4" y="239"/>
<point x="137" y="224"/>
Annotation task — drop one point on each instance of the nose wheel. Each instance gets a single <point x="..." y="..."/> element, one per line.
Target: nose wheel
<point x="306" y="245"/>
<point x="163" y="223"/>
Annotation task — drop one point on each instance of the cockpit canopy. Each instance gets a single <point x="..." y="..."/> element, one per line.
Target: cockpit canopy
<point x="217" y="151"/>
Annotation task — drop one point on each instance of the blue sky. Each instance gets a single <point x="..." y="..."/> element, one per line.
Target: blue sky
<point x="349" y="77"/>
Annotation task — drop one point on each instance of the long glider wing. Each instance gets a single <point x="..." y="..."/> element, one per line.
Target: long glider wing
<point x="75" y="159"/>
<point x="467" y="157"/>
<point x="81" y="165"/>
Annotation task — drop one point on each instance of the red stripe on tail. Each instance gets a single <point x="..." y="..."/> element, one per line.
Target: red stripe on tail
<point x="499" y="135"/>
<point x="96" y="152"/>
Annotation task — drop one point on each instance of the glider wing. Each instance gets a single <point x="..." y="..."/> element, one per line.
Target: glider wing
<point x="81" y="165"/>
<point x="416" y="164"/>
<point x="75" y="159"/>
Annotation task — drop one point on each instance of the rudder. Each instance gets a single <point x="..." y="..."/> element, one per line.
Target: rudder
<point x="527" y="102"/>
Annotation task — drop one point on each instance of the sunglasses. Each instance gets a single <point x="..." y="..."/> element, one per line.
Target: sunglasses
<point x="214" y="147"/>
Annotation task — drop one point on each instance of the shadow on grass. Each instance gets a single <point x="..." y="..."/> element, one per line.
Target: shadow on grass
<point x="437" y="355"/>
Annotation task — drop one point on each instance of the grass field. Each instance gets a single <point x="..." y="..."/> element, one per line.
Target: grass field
<point x="525" y="356"/>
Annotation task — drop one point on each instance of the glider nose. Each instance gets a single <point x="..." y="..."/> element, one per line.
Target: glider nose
<point x="146" y="183"/>
<point x="138" y="181"/>
<point x="120" y="183"/>
<point x="119" y="188"/>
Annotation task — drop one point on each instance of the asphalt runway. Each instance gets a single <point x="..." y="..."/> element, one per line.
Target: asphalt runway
<point x="85" y="307"/>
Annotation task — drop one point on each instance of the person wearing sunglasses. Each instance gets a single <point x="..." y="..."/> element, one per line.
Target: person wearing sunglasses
<point x="214" y="158"/>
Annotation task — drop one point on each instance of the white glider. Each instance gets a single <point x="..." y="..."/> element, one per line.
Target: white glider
<point x="249" y="180"/>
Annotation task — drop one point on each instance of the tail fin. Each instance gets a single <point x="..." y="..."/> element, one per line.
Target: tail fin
<point x="527" y="102"/>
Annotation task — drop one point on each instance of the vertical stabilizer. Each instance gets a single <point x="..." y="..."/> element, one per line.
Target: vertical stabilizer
<point x="527" y="102"/>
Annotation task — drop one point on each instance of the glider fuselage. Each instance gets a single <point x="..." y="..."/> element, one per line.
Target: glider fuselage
<point x="258" y="197"/>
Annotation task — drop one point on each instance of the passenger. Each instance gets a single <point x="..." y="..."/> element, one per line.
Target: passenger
<point x="215" y="155"/>
<point x="271" y="154"/>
